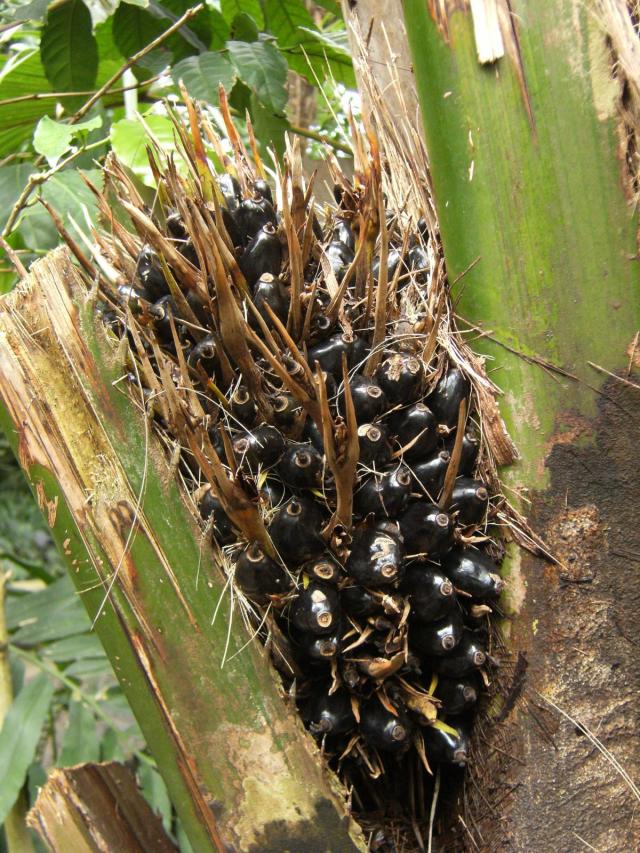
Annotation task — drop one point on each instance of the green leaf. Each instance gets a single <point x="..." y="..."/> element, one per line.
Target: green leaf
<point x="78" y="647"/>
<point x="79" y="741"/>
<point x="243" y="28"/>
<point x="231" y="8"/>
<point x="68" y="48"/>
<point x="191" y="38"/>
<point x="155" y="793"/>
<point x="89" y="668"/>
<point x="284" y="19"/>
<point x="202" y="74"/>
<point x="12" y="180"/>
<point x="261" y="66"/>
<point x="34" y="11"/>
<point x="23" y="77"/>
<point x="269" y="128"/>
<point x="321" y="55"/>
<point x="129" y="140"/>
<point x="53" y="138"/>
<point x="219" y="30"/>
<point x="50" y="614"/>
<point x="19" y="737"/>
<point x="134" y="28"/>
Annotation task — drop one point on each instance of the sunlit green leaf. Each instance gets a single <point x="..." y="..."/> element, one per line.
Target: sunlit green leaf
<point x="52" y="138"/>
<point x="68" y="48"/>
<point x="261" y="66"/>
<point x="129" y="140"/>
<point x="202" y="74"/>
<point x="79" y="741"/>
<point x="231" y="8"/>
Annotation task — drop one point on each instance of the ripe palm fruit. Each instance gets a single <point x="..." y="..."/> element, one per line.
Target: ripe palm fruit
<point x="383" y="730"/>
<point x="431" y="474"/>
<point x="470" y="500"/>
<point x="376" y="557"/>
<point x="269" y="291"/>
<point x="328" y="353"/>
<point x="262" y="255"/>
<point x="467" y="657"/>
<point x="468" y="455"/>
<point x="368" y="398"/>
<point x="384" y="495"/>
<point x="430" y="592"/>
<point x="445" y="400"/>
<point x="258" y="575"/>
<point x="211" y="508"/>
<point x="328" y="713"/>
<point x="444" y="747"/>
<point x="325" y="569"/>
<point x="400" y="377"/>
<point x="150" y="272"/>
<point x="440" y="637"/>
<point x="263" y="446"/>
<point x="473" y="572"/>
<point x="295" y="531"/>
<point x="253" y="214"/>
<point x="426" y="529"/>
<point x="457" y="694"/>
<point x="373" y="440"/>
<point x="301" y="466"/>
<point x="316" y="610"/>
<point x="416" y="430"/>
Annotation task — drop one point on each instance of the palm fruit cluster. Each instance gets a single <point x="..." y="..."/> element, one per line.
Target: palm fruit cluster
<point x="326" y="437"/>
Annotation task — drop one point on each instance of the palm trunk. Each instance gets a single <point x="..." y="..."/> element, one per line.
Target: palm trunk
<point x="530" y="136"/>
<point x="241" y="772"/>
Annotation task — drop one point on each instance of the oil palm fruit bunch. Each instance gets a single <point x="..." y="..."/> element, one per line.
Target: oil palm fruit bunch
<point x="297" y="359"/>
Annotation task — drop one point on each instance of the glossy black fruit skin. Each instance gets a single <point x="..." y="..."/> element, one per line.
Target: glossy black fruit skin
<point x="259" y="576"/>
<point x="368" y="398"/>
<point x="418" y="261"/>
<point x="243" y="406"/>
<point x="457" y="694"/>
<point x="359" y="601"/>
<point x="339" y="256"/>
<point x="204" y="353"/>
<point x="222" y="528"/>
<point x="316" y="610"/>
<point x="150" y="273"/>
<point x="295" y="531"/>
<point x="262" y="446"/>
<point x="328" y="353"/>
<point x="473" y="572"/>
<point x="343" y="233"/>
<point x="470" y="500"/>
<point x="263" y="189"/>
<point x="431" y="474"/>
<point x="468" y="656"/>
<point x="233" y="229"/>
<point x="426" y="529"/>
<point x="375" y="449"/>
<point x="384" y="730"/>
<point x="269" y="291"/>
<point x="230" y="189"/>
<point x="431" y="593"/>
<point x="417" y="420"/>
<point x="400" y="377"/>
<point x="285" y="409"/>
<point x="435" y="639"/>
<point x="262" y="255"/>
<point x="376" y="557"/>
<point x="301" y="466"/>
<point x="384" y="495"/>
<point x="319" y="651"/>
<point x="468" y="455"/>
<point x="175" y="226"/>
<point x="253" y="214"/>
<point x="329" y="714"/>
<point x="324" y="569"/>
<point x="445" y="748"/>
<point x="394" y="259"/>
<point x="445" y="400"/>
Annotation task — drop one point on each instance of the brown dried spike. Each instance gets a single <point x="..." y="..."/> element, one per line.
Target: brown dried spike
<point x="202" y="162"/>
<point x="379" y="329"/>
<point x="85" y="263"/>
<point x="295" y="261"/>
<point x="454" y="462"/>
<point x="255" y="153"/>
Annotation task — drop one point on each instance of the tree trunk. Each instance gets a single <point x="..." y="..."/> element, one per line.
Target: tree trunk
<point x="531" y="141"/>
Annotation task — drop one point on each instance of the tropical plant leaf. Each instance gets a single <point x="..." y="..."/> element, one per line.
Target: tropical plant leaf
<point x="202" y="74"/>
<point x="80" y="741"/>
<point x="52" y="138"/>
<point x="78" y="647"/>
<point x="231" y="8"/>
<point x="284" y="18"/>
<point x="23" y="77"/>
<point x="243" y="28"/>
<point x="19" y="737"/>
<point x="319" y="55"/>
<point x="68" y="47"/>
<point x="129" y="140"/>
<point x="261" y="66"/>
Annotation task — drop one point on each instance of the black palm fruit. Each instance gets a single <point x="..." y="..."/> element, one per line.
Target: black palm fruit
<point x="359" y="601"/>
<point x="468" y="656"/>
<point x="328" y="713"/>
<point x="383" y="730"/>
<point x="285" y="409"/>
<point x="368" y="398"/>
<point x="233" y="229"/>
<point x="295" y="531"/>
<point x="339" y="256"/>
<point x="430" y="591"/>
<point x="269" y="291"/>
<point x="416" y="424"/>
<point x="210" y="507"/>
<point x="321" y="326"/>
<point x="384" y="495"/>
<point x="312" y="433"/>
<point x="445" y="399"/>
<point x="468" y="454"/>
<point x="133" y="297"/>
<point x="470" y="500"/>
<point x="457" y="694"/>
<point x="431" y="473"/>
<point x="263" y="446"/>
<point x="161" y="310"/>
<point x="434" y="639"/>
<point x="324" y="569"/>
<point x="262" y="255"/>
<point x="426" y="529"/>
<point x="446" y="748"/>
<point x="230" y="189"/>
<point x="188" y="251"/>
<point x="259" y="576"/>
<point x="150" y="272"/>
<point x="316" y="610"/>
<point x="204" y="354"/>
<point x="319" y="650"/>
<point x="394" y="259"/>
<point x="328" y="353"/>
<point x="375" y="449"/>
<point x="272" y="492"/>
<point x="301" y="466"/>
<point x="376" y="557"/>
<point x="418" y="262"/>
<point x="176" y="226"/>
<point x="263" y="189"/>
<point x="400" y="377"/>
<point x="343" y="233"/>
<point x="473" y="572"/>
<point x="242" y="406"/>
<point x="253" y="214"/>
